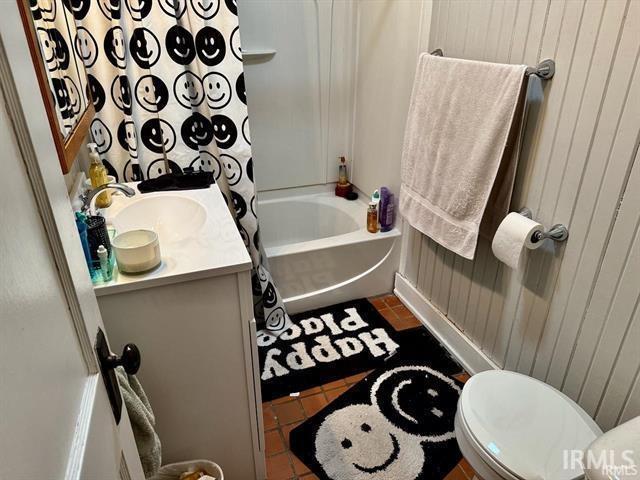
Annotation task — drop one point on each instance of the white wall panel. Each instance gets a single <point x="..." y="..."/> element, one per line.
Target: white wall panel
<point x="300" y="98"/>
<point x="390" y="34"/>
<point x="570" y="317"/>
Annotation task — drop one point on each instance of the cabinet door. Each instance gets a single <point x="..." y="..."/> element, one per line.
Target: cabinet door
<point x="198" y="371"/>
<point x="252" y="365"/>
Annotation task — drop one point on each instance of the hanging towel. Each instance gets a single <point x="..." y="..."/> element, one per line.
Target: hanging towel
<point x="459" y="144"/>
<point x="142" y="422"/>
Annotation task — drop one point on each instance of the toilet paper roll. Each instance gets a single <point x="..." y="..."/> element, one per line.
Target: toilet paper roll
<point x="513" y="237"/>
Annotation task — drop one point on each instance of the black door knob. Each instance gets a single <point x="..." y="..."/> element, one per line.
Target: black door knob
<point x="129" y="360"/>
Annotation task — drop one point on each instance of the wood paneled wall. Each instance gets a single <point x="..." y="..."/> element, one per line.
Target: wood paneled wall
<point x="571" y="316"/>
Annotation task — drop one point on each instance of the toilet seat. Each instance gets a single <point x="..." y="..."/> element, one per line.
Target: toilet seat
<point x="520" y="426"/>
<point x="485" y="468"/>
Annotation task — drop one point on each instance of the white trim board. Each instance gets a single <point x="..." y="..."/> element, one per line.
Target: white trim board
<point x="469" y="355"/>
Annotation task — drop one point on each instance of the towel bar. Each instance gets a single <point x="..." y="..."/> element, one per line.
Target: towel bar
<point x="545" y="70"/>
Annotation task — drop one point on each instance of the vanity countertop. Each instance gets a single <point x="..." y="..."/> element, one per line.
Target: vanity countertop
<point x="209" y="246"/>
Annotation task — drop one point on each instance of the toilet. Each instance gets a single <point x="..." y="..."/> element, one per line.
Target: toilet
<point x="513" y="427"/>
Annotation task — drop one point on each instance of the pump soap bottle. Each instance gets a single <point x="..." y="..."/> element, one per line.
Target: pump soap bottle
<point x="98" y="176"/>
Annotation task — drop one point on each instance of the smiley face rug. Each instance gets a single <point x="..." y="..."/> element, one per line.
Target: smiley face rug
<point x="396" y="424"/>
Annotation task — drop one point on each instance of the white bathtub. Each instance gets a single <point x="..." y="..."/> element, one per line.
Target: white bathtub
<point x="320" y="252"/>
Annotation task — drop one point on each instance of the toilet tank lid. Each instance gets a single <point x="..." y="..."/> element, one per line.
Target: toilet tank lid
<point x="619" y="451"/>
<point x="526" y="425"/>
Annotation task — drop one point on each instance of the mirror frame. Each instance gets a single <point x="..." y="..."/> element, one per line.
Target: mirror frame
<point x="69" y="147"/>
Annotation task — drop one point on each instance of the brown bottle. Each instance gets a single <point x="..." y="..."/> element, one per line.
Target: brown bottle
<point x="342" y="172"/>
<point x="372" y="218"/>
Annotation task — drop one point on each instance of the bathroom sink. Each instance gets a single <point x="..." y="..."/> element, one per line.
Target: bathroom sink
<point x="197" y="235"/>
<point x="174" y="218"/>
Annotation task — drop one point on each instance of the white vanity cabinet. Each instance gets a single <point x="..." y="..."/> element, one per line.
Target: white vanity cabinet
<point x="196" y="334"/>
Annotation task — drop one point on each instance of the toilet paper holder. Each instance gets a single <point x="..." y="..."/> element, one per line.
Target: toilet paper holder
<point x="557" y="233"/>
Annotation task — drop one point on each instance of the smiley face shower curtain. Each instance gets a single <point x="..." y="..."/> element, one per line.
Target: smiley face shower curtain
<point x="167" y="83"/>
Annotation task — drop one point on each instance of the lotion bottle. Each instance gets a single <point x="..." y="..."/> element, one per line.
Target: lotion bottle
<point x="98" y="175"/>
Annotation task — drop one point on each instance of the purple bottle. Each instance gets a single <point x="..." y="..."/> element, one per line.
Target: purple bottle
<point x="386" y="210"/>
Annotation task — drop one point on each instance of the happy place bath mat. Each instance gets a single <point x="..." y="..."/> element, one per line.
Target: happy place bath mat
<point x="324" y="345"/>
<point x="397" y="423"/>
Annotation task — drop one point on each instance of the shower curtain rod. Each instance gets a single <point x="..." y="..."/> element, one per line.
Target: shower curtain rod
<point x="544" y="70"/>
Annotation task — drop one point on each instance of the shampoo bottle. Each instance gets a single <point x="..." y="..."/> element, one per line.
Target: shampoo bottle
<point x="98" y="176"/>
<point x="343" y="187"/>
<point x="342" y="172"/>
<point x="386" y="210"/>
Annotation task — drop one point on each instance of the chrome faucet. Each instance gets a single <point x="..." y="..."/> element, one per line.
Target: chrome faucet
<point x="87" y="198"/>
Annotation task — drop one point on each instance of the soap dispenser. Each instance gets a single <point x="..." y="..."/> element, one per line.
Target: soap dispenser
<point x="98" y="175"/>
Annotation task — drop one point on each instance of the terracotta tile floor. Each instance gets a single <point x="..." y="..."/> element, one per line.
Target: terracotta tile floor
<point x="284" y="414"/>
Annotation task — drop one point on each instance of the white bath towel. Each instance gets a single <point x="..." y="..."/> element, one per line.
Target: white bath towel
<point x="458" y="144"/>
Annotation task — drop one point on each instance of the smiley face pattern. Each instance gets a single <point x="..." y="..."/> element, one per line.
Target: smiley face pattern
<point x="167" y="82"/>
<point x="397" y="423"/>
<point x="65" y="52"/>
<point x="411" y="409"/>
